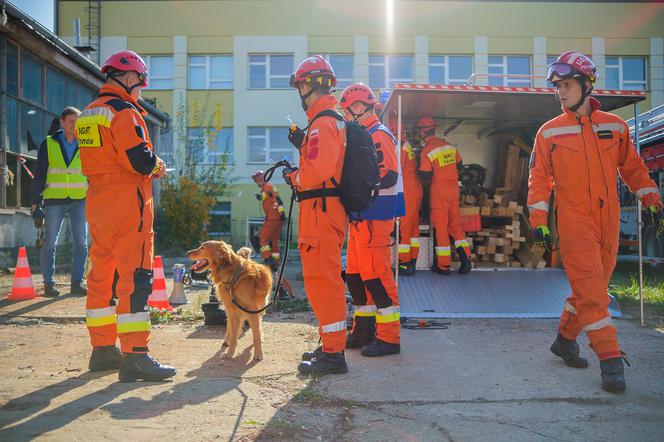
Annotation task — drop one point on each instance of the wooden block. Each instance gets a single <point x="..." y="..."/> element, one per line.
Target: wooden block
<point x="499" y="257"/>
<point x="541" y="264"/>
<point x="518" y="209"/>
<point x="512" y="204"/>
<point x="493" y="241"/>
<point x="509" y="211"/>
<point x="485" y="258"/>
<point x="497" y="199"/>
<point x="486" y="211"/>
<point x="491" y="249"/>
<point x="481" y="250"/>
<point x="515" y="264"/>
<point x="469" y="210"/>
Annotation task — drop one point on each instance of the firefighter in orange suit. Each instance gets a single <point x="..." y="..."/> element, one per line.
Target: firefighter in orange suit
<point x="439" y="164"/>
<point x="409" y="230"/>
<point x="580" y="153"/>
<point x="275" y="215"/>
<point x="117" y="158"/>
<point x="323" y="222"/>
<point x="376" y="326"/>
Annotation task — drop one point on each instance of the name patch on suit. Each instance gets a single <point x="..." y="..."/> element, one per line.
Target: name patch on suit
<point x="604" y="134"/>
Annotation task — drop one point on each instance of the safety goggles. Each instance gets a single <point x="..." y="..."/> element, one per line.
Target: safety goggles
<point x="561" y="70"/>
<point x="143" y="78"/>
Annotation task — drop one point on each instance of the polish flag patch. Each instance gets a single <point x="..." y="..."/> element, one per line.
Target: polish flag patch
<point x="313" y="133"/>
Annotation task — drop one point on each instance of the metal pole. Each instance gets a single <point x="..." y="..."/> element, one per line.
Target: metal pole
<point x="639" y="220"/>
<point x="398" y="221"/>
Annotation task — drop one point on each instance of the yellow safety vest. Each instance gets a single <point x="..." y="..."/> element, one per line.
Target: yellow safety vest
<point x="63" y="181"/>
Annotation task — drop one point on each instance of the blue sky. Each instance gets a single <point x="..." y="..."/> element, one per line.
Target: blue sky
<point x="40" y="10"/>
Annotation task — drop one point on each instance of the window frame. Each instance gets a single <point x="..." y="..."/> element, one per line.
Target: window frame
<point x="342" y="82"/>
<point x="208" y="74"/>
<point x="446" y="69"/>
<point x="222" y="212"/>
<point x="268" y="67"/>
<point x="267" y="136"/>
<point x="210" y="157"/>
<point x="152" y="78"/>
<point x="389" y="82"/>
<point x="507" y="81"/>
<point x="620" y="68"/>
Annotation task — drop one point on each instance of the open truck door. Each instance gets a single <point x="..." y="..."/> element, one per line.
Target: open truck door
<point x="478" y="120"/>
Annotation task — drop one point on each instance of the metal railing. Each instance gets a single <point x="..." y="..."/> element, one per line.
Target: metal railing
<point x="474" y="76"/>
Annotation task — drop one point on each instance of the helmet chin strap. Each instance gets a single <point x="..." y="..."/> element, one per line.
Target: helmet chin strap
<point x="357" y="116"/>
<point x="585" y="93"/>
<point x="126" y="88"/>
<point x="304" y="97"/>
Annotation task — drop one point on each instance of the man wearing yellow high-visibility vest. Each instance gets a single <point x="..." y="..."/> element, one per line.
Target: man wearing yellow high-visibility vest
<point x="60" y="187"/>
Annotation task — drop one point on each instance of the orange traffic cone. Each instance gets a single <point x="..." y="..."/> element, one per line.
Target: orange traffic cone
<point x="23" y="287"/>
<point x="159" y="298"/>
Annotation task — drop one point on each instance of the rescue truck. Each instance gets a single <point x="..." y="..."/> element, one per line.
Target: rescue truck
<point x="650" y="140"/>
<point x="479" y="120"/>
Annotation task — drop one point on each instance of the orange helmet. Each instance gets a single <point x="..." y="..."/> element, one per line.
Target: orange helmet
<point x="316" y="71"/>
<point x="357" y="92"/>
<point x="425" y="123"/>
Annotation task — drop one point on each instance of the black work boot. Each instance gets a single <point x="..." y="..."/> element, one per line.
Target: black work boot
<point x="380" y="348"/>
<point x="135" y="366"/>
<point x="613" y="374"/>
<point x="78" y="289"/>
<point x="568" y="350"/>
<point x="326" y="363"/>
<point x="50" y="291"/>
<point x="364" y="332"/>
<point x="466" y="266"/>
<point x="407" y="268"/>
<point x="309" y="355"/>
<point x="444" y="271"/>
<point x="106" y="357"/>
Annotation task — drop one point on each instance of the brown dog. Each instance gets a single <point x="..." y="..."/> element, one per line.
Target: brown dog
<point x="246" y="281"/>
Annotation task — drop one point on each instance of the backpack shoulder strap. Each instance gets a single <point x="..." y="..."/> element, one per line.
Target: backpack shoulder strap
<point x="383" y="128"/>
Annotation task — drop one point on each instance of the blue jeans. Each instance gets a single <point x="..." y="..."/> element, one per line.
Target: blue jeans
<point x="55" y="215"/>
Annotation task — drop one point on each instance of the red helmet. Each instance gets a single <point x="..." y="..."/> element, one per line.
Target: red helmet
<point x="425" y="123"/>
<point x="258" y="176"/>
<point x="315" y="70"/>
<point x="572" y="64"/>
<point x="357" y="92"/>
<point x="125" y="61"/>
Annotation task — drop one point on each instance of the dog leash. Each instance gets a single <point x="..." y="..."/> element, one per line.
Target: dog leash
<point x="267" y="176"/>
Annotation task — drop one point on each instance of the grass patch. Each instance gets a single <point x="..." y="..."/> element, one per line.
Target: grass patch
<point x="292" y="306"/>
<point x="310" y="396"/>
<point x="624" y="286"/>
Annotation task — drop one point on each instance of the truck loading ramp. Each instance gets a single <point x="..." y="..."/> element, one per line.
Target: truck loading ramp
<point x="487" y="293"/>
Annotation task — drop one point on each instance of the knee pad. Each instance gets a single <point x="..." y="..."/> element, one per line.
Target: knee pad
<point x="142" y="290"/>
<point x="378" y="293"/>
<point x="356" y="288"/>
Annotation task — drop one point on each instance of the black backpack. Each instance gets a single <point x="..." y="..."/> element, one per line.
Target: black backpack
<point x="360" y="176"/>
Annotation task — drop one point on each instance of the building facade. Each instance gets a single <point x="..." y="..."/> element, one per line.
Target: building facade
<point x="221" y="68"/>
<point x="40" y="75"/>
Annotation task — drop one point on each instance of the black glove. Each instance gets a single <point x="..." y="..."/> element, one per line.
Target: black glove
<point x="543" y="237"/>
<point x="38" y="214"/>
<point x="286" y="174"/>
<point x="296" y="136"/>
<point x="259" y="196"/>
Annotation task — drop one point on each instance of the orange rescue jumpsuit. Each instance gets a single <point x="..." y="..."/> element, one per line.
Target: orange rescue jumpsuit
<point x="440" y="158"/>
<point x="581" y="158"/>
<point x="323" y="223"/>
<point x="409" y="232"/>
<point x="270" y="233"/>
<point x="117" y="158"/>
<point x="369" y="270"/>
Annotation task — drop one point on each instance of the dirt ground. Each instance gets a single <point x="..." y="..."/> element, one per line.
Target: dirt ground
<point x="477" y="380"/>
